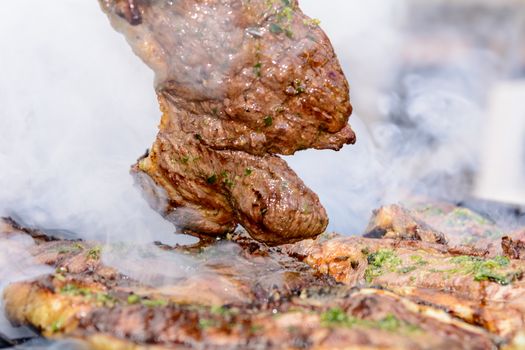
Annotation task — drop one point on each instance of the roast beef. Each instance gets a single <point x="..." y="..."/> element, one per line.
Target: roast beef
<point x="239" y="82"/>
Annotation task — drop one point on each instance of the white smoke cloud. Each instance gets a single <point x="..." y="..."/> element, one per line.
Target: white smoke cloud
<point x="16" y="264"/>
<point x="77" y="109"/>
<point x="419" y="80"/>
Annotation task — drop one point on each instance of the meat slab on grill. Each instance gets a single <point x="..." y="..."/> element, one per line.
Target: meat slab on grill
<point x="88" y="300"/>
<point x="445" y="223"/>
<point x="238" y="82"/>
<point x="471" y="276"/>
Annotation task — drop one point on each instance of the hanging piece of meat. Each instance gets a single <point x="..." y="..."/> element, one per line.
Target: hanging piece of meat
<point x="238" y="82"/>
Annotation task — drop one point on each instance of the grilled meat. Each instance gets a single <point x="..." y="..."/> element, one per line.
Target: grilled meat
<point x="88" y="300"/>
<point x="441" y="223"/>
<point x="469" y="280"/>
<point x="461" y="226"/>
<point x="395" y="221"/>
<point x="513" y="245"/>
<point x="388" y="262"/>
<point x="238" y="83"/>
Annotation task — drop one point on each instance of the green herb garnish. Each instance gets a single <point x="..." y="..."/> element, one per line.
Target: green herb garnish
<point x="336" y="317"/>
<point x="71" y="289"/>
<point x="212" y="179"/>
<point x="57" y="326"/>
<point x="485" y="269"/>
<point x="133" y="299"/>
<point x="380" y="262"/>
<point x="276" y="29"/>
<point x="406" y="269"/>
<point x="257" y="69"/>
<point x="312" y="22"/>
<point x="205" y="323"/>
<point x="154" y="303"/>
<point x="298" y="86"/>
<point x="418" y="260"/>
<point x="94" y="253"/>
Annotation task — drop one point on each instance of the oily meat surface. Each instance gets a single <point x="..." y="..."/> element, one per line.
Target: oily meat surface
<point x="238" y="82"/>
<point x="88" y="300"/>
<point x="462" y="267"/>
<point x="403" y="290"/>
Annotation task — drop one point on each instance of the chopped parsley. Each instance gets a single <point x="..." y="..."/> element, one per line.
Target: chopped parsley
<point x="257" y="69"/>
<point x="57" y="326"/>
<point x="406" y="269"/>
<point x="212" y="179"/>
<point x="94" y="253"/>
<point x="71" y="289"/>
<point x="418" y="260"/>
<point x="384" y="260"/>
<point x="205" y="323"/>
<point x="226" y="179"/>
<point x="485" y="269"/>
<point x="276" y="29"/>
<point x="222" y="311"/>
<point x="464" y="214"/>
<point x="312" y="22"/>
<point x="283" y="18"/>
<point x="298" y="86"/>
<point x="133" y="299"/>
<point x="99" y="297"/>
<point x="337" y="317"/>
<point x="154" y="303"/>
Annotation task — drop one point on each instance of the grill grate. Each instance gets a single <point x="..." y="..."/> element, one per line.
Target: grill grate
<point x="6" y="342"/>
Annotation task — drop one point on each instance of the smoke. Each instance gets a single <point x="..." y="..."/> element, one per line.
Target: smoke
<point x="16" y="264"/>
<point x="420" y="73"/>
<point x="78" y="108"/>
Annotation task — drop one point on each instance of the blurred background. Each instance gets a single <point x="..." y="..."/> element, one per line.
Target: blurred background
<point x="437" y="85"/>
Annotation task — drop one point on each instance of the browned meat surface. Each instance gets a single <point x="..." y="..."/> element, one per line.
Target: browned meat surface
<point x="395" y="221"/>
<point x="476" y="288"/>
<point x="442" y="223"/>
<point x="87" y="300"/>
<point x="238" y="83"/>
<point x="461" y="226"/>
<point x="513" y="245"/>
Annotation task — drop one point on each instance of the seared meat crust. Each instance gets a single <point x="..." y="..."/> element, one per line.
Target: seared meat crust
<point x="87" y="300"/>
<point x="238" y="83"/>
<point x="513" y="245"/>
<point x="332" y="292"/>
<point x="395" y="221"/>
<point x="469" y="277"/>
<point x="228" y="64"/>
<point x="210" y="191"/>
